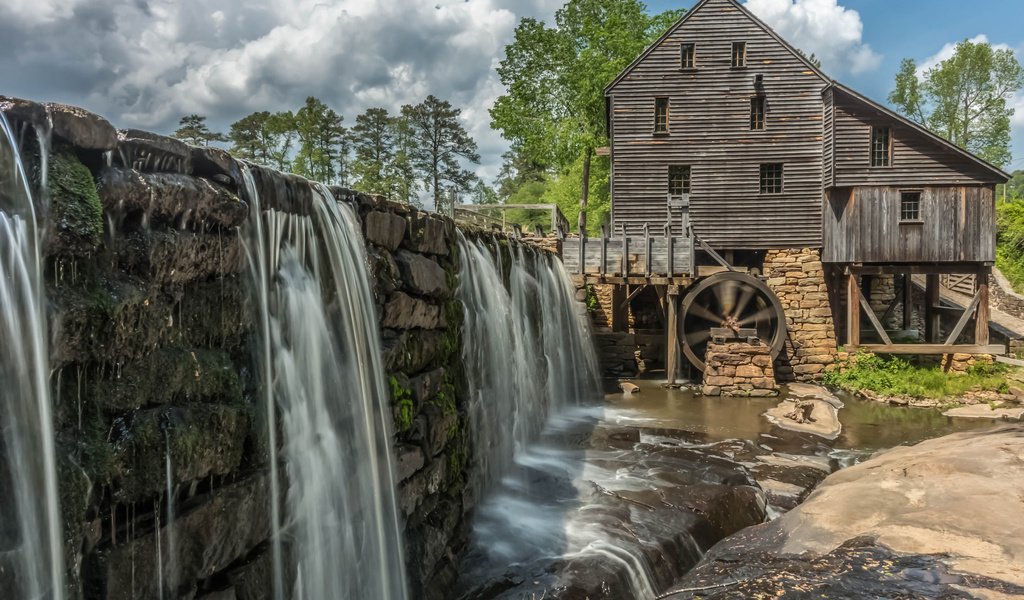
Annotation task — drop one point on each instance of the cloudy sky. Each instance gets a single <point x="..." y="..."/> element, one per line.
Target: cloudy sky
<point x="145" y="63"/>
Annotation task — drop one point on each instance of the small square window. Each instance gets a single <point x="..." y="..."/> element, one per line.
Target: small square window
<point x="739" y="54"/>
<point x="881" y="146"/>
<point x="688" y="56"/>
<point x="757" y="105"/>
<point x="910" y="207"/>
<point x="678" y="180"/>
<point x="771" y="179"/>
<point x="661" y="115"/>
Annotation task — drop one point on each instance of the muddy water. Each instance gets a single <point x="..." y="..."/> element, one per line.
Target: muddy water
<point x="867" y="426"/>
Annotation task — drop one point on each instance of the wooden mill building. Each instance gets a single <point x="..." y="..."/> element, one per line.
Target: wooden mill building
<point x="731" y="151"/>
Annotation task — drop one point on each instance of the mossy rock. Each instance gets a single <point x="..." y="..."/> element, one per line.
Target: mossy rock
<point x="76" y="215"/>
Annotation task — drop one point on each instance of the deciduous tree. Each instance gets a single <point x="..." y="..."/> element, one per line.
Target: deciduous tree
<point x="320" y="134"/>
<point x="964" y="98"/>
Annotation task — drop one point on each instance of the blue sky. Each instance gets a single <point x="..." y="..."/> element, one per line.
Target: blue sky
<point x="919" y="29"/>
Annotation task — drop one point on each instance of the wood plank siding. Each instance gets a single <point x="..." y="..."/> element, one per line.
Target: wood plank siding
<point x="956" y="225"/>
<point x="709" y="129"/>
<point x="917" y="159"/>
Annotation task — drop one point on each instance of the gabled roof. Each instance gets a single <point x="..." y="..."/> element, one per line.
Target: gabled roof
<point x="922" y="130"/>
<point x="671" y="30"/>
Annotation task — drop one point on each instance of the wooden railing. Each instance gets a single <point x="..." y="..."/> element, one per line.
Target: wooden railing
<point x="649" y="255"/>
<point x="478" y="214"/>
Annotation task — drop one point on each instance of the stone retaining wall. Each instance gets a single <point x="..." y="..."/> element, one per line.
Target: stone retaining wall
<point x="1003" y="297"/>
<point x="152" y="355"/>
<point x="797" y="277"/>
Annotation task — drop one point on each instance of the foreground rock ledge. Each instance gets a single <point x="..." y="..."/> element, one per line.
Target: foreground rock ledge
<point x="940" y="519"/>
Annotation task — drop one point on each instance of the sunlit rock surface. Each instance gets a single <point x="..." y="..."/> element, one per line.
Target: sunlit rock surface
<point x="940" y="519"/>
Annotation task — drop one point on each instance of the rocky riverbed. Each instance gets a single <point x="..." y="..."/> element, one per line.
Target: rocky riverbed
<point x="618" y="500"/>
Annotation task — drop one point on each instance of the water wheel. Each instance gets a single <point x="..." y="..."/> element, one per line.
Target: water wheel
<point x="733" y="301"/>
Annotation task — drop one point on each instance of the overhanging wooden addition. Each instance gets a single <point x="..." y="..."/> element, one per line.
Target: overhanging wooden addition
<point x="978" y="308"/>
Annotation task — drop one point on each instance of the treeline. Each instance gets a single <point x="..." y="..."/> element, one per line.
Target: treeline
<point x="422" y="148"/>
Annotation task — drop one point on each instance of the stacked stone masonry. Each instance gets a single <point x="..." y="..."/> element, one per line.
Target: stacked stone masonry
<point x="739" y="369"/>
<point x="146" y="275"/>
<point x="797" y="277"/>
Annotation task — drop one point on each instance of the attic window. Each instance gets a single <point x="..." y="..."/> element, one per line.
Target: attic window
<point x="688" y="56"/>
<point x="661" y="115"/>
<point x="771" y="178"/>
<point x="881" y="146"/>
<point x="757" y="105"/>
<point x="739" y="54"/>
<point x="910" y="207"/>
<point x="678" y="180"/>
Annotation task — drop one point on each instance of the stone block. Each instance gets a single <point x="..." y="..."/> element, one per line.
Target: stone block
<point x="427" y="234"/>
<point x="81" y="128"/>
<point x="405" y="312"/>
<point x="808" y="369"/>
<point x="421" y="275"/>
<point x="385" y="229"/>
<point x="410" y="459"/>
<point x="749" y="371"/>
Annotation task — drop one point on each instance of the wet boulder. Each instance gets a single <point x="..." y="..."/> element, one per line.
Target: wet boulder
<point x="82" y="129"/>
<point x="422" y="275"/>
<point x="904" y="524"/>
<point x="152" y="153"/>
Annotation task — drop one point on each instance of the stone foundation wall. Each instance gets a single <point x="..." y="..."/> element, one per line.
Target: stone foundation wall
<point x="797" y="277"/>
<point x="1003" y="297"/>
<point x="739" y="369"/>
<point x="152" y="355"/>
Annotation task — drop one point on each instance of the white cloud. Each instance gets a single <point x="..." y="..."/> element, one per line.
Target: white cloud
<point x="145" y="63"/>
<point x="825" y="28"/>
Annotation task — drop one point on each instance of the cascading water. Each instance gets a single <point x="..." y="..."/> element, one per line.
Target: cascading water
<point x="528" y="352"/>
<point x="30" y="537"/>
<point x="535" y="397"/>
<point x="323" y="376"/>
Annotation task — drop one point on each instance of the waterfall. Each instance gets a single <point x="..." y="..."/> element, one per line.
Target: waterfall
<point x="30" y="536"/>
<point x="323" y="379"/>
<point x="528" y="351"/>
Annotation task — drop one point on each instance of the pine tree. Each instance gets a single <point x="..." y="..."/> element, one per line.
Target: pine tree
<point x="440" y="145"/>
<point x="192" y="129"/>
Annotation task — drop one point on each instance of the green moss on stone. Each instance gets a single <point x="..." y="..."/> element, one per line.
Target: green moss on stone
<point x="402" y="402"/>
<point x="75" y="204"/>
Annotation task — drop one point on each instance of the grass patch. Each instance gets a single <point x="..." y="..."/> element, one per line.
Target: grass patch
<point x="895" y="376"/>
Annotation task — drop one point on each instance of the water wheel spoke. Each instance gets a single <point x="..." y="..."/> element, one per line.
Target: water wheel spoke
<point x="745" y="298"/>
<point x="756" y="318"/>
<point x="699" y="337"/>
<point x="699" y="311"/>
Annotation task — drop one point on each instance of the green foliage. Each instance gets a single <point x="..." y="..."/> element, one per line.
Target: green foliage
<point x="1010" y="246"/>
<point x="265" y="138"/>
<point x="193" y="130"/>
<point x="401" y="400"/>
<point x="320" y="134"/>
<point x="592" y="302"/>
<point x="895" y="376"/>
<point x="965" y="98"/>
<point x="554" y="108"/>
<point x="373" y="139"/>
<point x="440" y="145"/>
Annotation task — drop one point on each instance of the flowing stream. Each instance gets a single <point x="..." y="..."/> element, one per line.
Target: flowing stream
<point x="31" y="553"/>
<point x="336" y="535"/>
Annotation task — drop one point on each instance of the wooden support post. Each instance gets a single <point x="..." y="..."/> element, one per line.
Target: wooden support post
<point x="852" y="311"/>
<point x="981" y="331"/>
<point x="932" y="317"/>
<point x="908" y="302"/>
<point x="672" y="343"/>
<point x="620" y="309"/>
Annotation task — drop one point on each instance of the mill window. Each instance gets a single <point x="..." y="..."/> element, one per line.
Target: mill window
<point x="910" y="207"/>
<point x="881" y="146"/>
<point x="661" y="115"/>
<point x="771" y="179"/>
<point x="739" y="54"/>
<point x="757" y="104"/>
<point x="687" y="56"/>
<point x="678" y="180"/>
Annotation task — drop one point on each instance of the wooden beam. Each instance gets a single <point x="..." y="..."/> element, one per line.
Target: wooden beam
<point x="964" y="318"/>
<point x="672" y="346"/>
<point x="852" y="311"/>
<point x="874" y="320"/>
<point x="620" y="310"/>
<point x="931" y="313"/>
<point x="930" y="349"/>
<point x="981" y="327"/>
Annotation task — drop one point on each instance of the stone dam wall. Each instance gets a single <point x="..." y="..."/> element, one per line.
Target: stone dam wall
<point x="153" y="365"/>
